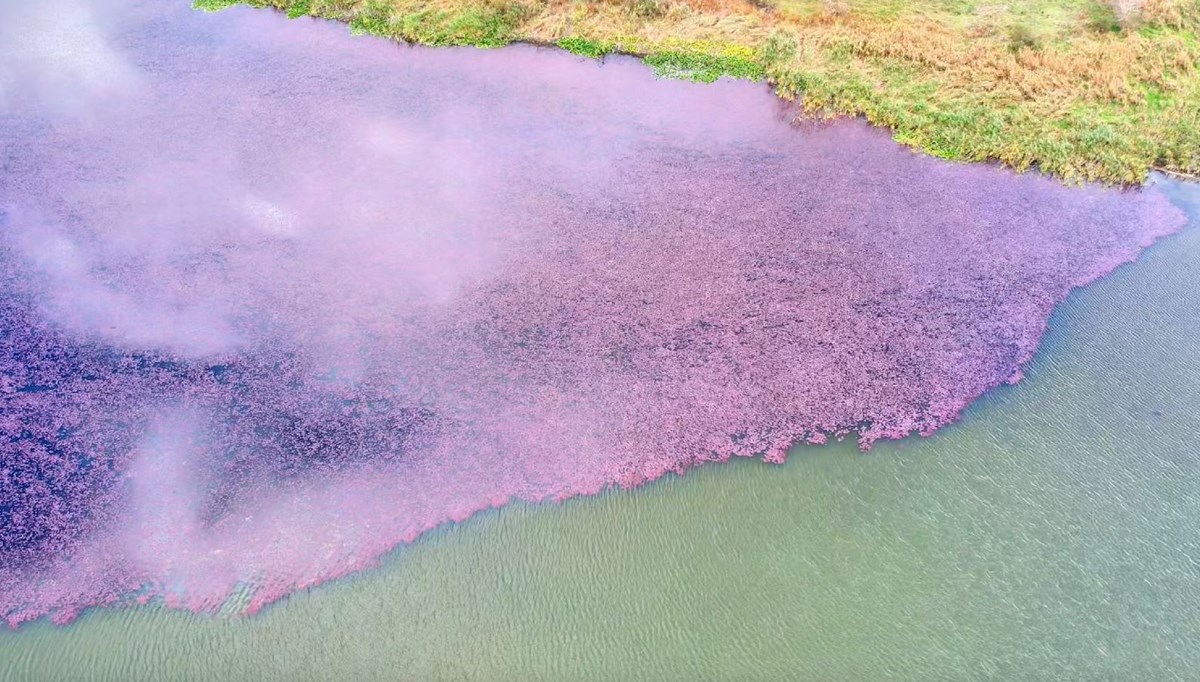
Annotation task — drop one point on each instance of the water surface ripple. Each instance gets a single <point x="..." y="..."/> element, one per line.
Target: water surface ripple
<point x="276" y="300"/>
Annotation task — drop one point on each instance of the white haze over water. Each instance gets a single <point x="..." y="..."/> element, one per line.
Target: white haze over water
<point x="277" y="300"/>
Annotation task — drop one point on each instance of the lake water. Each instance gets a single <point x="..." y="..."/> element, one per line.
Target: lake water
<point x="1052" y="533"/>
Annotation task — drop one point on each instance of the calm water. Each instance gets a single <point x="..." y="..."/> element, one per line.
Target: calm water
<point x="1054" y="533"/>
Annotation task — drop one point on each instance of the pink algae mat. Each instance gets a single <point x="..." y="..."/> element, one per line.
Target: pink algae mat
<point x="274" y="299"/>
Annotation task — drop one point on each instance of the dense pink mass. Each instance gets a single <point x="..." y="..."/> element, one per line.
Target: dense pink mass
<point x="274" y="299"/>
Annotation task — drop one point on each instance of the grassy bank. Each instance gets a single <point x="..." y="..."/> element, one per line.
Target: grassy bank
<point x="1083" y="89"/>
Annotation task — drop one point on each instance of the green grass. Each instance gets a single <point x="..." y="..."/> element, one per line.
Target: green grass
<point x="215" y="5"/>
<point x="298" y="9"/>
<point x="705" y="68"/>
<point x="485" y="26"/>
<point x="584" y="47"/>
<point x="1061" y="86"/>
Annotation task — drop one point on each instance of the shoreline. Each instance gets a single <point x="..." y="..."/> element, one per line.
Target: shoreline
<point x="1077" y="101"/>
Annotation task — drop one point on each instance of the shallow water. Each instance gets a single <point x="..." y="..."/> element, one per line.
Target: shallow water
<point x="340" y="291"/>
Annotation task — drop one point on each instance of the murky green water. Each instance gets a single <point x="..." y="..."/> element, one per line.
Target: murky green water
<point x="1053" y="534"/>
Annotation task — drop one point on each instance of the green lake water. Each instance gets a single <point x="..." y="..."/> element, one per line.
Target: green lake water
<point x="1053" y="534"/>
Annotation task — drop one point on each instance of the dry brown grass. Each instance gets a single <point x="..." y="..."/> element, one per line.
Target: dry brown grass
<point x="1105" y="93"/>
